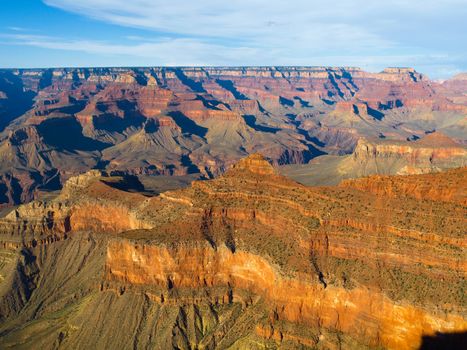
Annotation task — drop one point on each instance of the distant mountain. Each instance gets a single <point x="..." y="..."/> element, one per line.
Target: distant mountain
<point x="56" y="123"/>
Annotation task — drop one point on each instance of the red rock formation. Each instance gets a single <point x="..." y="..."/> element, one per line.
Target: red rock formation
<point x="255" y="164"/>
<point x="376" y="260"/>
<point x="360" y="312"/>
<point x="427" y="186"/>
<point x="217" y="116"/>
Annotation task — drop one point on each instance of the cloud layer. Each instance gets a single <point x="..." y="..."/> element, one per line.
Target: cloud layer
<point x="371" y="34"/>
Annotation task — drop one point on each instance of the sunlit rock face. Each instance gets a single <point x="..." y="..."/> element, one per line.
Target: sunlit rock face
<point x="55" y="124"/>
<point x="432" y="153"/>
<point x="248" y="260"/>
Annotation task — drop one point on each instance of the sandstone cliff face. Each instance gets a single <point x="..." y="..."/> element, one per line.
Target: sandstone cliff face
<point x="433" y="153"/>
<point x="255" y="164"/>
<point x="417" y="157"/>
<point x="428" y="186"/>
<point x="359" y="312"/>
<point x="178" y="121"/>
<point x="85" y="204"/>
<point x="248" y="260"/>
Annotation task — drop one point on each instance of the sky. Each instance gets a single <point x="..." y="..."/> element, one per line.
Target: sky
<point x="429" y="35"/>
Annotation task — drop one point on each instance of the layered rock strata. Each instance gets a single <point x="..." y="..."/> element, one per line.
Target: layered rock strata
<point x="248" y="260"/>
<point x="57" y="123"/>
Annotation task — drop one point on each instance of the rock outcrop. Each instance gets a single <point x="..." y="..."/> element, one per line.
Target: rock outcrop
<point x="250" y="259"/>
<point x="433" y="153"/>
<point x="255" y="164"/>
<point x="58" y="123"/>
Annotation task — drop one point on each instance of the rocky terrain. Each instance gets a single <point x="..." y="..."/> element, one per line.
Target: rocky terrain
<point x="57" y="123"/>
<point x="432" y="153"/>
<point x="248" y="260"/>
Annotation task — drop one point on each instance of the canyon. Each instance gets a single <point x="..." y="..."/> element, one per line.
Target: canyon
<point x="199" y="208"/>
<point x="432" y="153"/>
<point x="163" y="124"/>
<point x="248" y="260"/>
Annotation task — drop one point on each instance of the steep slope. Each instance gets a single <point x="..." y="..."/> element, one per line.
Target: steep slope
<point x="423" y="187"/>
<point x="432" y="153"/>
<point x="250" y="259"/>
<point x="56" y="123"/>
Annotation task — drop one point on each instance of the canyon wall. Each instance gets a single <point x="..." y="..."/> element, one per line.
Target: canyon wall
<point x="57" y="123"/>
<point x="250" y="259"/>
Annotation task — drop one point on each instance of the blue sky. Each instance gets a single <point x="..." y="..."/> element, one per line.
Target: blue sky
<point x="429" y="35"/>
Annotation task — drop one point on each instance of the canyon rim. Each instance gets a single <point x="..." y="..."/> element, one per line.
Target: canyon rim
<point x="205" y="175"/>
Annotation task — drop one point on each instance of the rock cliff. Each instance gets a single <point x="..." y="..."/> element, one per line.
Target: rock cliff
<point x="432" y="153"/>
<point x="173" y="121"/>
<point x="250" y="259"/>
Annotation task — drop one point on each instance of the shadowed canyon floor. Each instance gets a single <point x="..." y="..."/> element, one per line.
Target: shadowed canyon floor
<point x="248" y="260"/>
<point x="57" y="123"/>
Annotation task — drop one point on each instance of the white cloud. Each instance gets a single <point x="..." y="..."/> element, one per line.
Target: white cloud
<point x="262" y="22"/>
<point x="167" y="51"/>
<point x="303" y="26"/>
<point x="252" y="18"/>
<point x="237" y="31"/>
<point x="273" y="32"/>
<point x="16" y="29"/>
<point x="162" y="52"/>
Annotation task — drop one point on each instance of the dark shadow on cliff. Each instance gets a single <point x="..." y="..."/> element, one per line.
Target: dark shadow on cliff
<point x="286" y="102"/>
<point x="335" y="85"/>
<point x="375" y="113"/>
<point x="193" y="85"/>
<point x="250" y="120"/>
<point x="328" y="102"/>
<point x="115" y="123"/>
<point x="67" y="134"/>
<point x="17" y="100"/>
<point x="349" y="78"/>
<point x="46" y="79"/>
<point x="125" y="182"/>
<point x="312" y="142"/>
<point x="74" y="107"/>
<point x="390" y="105"/>
<point x="209" y="104"/>
<point x="187" y="125"/>
<point x="303" y="103"/>
<point x="441" y="341"/>
<point x="229" y="86"/>
<point x="10" y="190"/>
<point x="190" y="167"/>
<point x="140" y="78"/>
